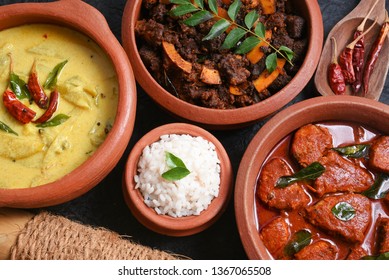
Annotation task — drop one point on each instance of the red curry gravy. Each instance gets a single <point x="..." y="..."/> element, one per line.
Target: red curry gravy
<point x="343" y="134"/>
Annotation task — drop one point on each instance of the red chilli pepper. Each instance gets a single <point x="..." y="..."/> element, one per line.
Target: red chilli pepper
<point x="374" y="53"/>
<point x="53" y="105"/>
<point x="359" y="53"/>
<point x="36" y="90"/>
<point x="346" y="58"/>
<point x="335" y="74"/>
<point x="16" y="108"/>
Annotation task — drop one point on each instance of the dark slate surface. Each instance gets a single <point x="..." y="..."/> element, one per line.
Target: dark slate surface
<point x="104" y="205"/>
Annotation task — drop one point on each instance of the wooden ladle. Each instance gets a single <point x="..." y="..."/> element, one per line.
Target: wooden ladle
<point x="343" y="32"/>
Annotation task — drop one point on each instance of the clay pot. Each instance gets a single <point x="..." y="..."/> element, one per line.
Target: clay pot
<point x="84" y="18"/>
<point x="165" y="224"/>
<point x="225" y="119"/>
<point x="370" y="113"/>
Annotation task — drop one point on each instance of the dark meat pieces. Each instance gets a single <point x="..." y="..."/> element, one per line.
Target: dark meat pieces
<point x="275" y="235"/>
<point x="341" y="175"/>
<point x="295" y="26"/>
<point x="310" y="142"/>
<point x="379" y="154"/>
<point x="234" y="67"/>
<point x="150" y="31"/>
<point x="353" y="230"/>
<point x="291" y="197"/>
<point x="320" y="250"/>
<point x="383" y="235"/>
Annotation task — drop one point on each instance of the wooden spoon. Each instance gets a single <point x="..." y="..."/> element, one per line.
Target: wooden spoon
<point x="343" y="32"/>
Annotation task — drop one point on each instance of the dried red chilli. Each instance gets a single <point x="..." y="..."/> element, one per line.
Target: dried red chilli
<point x="36" y="90"/>
<point x="16" y="108"/>
<point x="53" y="105"/>
<point x="374" y="53"/>
<point x="335" y="74"/>
<point x="359" y="53"/>
<point x="346" y="58"/>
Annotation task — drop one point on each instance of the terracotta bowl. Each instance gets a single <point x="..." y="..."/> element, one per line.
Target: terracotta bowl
<point x="370" y="113"/>
<point x="165" y="224"/>
<point x="225" y="119"/>
<point x="84" y="18"/>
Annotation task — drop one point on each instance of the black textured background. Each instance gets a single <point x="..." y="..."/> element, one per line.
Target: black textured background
<point x="104" y="205"/>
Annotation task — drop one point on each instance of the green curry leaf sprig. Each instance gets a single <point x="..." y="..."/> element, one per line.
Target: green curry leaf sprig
<point x="6" y="128"/>
<point x="254" y="29"/>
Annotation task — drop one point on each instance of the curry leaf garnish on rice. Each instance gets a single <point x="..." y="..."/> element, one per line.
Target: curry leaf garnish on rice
<point x="252" y="32"/>
<point x="177" y="167"/>
<point x="311" y="172"/>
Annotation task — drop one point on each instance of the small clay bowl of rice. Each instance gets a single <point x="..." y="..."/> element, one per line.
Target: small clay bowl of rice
<point x="178" y="179"/>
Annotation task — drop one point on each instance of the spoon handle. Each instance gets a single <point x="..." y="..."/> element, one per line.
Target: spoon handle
<point x="363" y="8"/>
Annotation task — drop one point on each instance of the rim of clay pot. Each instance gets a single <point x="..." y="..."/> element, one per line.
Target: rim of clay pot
<point x="232" y="118"/>
<point x="368" y="112"/>
<point x="83" y="18"/>
<point x="164" y="224"/>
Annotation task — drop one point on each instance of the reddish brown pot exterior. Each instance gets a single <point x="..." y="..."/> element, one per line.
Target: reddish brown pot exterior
<point x="165" y="224"/>
<point x="367" y="112"/>
<point x="84" y="18"/>
<point x="225" y="119"/>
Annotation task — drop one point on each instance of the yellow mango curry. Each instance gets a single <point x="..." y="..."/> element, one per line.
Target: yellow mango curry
<point x="59" y="99"/>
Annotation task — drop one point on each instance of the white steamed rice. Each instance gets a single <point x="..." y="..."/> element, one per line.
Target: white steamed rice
<point x="185" y="197"/>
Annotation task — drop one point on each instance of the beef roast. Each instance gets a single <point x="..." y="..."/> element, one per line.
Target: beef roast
<point x="341" y="175"/>
<point x="310" y="142"/>
<point x="352" y="230"/>
<point x="290" y="197"/>
<point x="319" y="250"/>
<point x="379" y="154"/>
<point x="276" y="228"/>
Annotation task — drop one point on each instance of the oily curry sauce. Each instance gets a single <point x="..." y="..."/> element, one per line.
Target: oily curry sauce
<point x="342" y="134"/>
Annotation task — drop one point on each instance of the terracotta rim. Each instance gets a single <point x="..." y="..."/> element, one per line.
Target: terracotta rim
<point x="344" y="108"/>
<point x="215" y="118"/>
<point x="164" y="224"/>
<point x="71" y="13"/>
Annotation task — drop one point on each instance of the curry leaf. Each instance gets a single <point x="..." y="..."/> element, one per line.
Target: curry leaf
<point x="180" y="2"/>
<point x="198" y="18"/>
<point x="233" y="37"/>
<point x="260" y="30"/>
<point x="380" y="188"/>
<point x="343" y="211"/>
<point x="6" y="128"/>
<point x="213" y="6"/>
<point x="248" y="44"/>
<point x="175" y="174"/>
<point x="57" y="120"/>
<point x="287" y="51"/>
<point x="271" y="62"/>
<point x="299" y="240"/>
<point x="233" y="10"/>
<point x="51" y="80"/>
<point x="19" y="87"/>
<point x="183" y="10"/>
<point x="250" y="19"/>
<point x="383" y="256"/>
<point x="218" y="28"/>
<point x="354" y="151"/>
<point x="173" y="161"/>
<point x="311" y="172"/>
<point x="177" y="167"/>
<point x="199" y="3"/>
